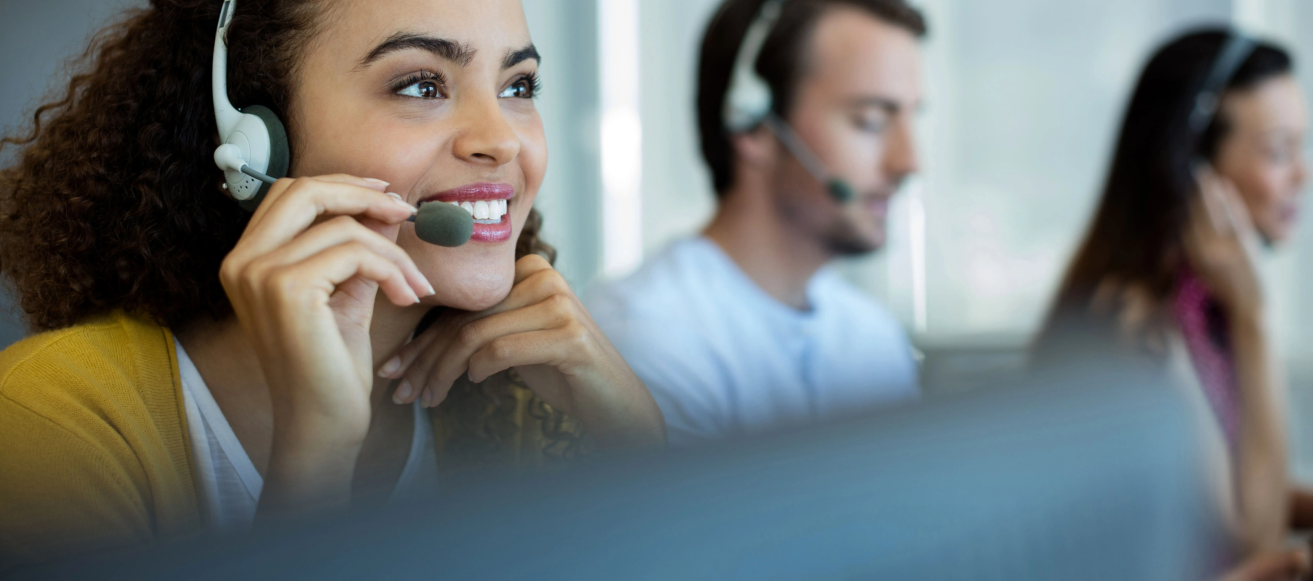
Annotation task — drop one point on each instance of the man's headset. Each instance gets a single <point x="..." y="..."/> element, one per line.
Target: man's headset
<point x="748" y="103"/>
<point x="255" y="153"/>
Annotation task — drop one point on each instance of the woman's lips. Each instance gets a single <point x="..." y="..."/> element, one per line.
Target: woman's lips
<point x="470" y="195"/>
<point x="499" y="232"/>
<point x="473" y="193"/>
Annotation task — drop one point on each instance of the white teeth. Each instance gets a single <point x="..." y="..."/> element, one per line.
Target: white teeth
<point x="489" y="211"/>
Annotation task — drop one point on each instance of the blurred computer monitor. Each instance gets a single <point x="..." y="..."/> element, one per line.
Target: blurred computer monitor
<point x="1087" y="475"/>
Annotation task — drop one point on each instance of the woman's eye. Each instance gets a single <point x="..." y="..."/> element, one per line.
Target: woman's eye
<point x="422" y="90"/>
<point x="521" y="89"/>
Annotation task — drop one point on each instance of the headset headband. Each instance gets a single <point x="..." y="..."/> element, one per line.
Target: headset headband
<point x="224" y="112"/>
<point x="748" y="100"/>
<point x="1234" y="53"/>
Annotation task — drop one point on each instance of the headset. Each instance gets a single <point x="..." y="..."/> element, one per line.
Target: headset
<point x="255" y="153"/>
<point x="748" y="103"/>
<point x="1238" y="48"/>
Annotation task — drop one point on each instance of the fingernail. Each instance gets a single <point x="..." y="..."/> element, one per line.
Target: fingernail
<point x="390" y="367"/>
<point x="431" y="291"/>
<point x="398" y="199"/>
<point x="403" y="392"/>
<point x="381" y="182"/>
<point x="426" y="398"/>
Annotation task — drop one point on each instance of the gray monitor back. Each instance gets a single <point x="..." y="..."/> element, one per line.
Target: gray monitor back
<point x="1090" y="477"/>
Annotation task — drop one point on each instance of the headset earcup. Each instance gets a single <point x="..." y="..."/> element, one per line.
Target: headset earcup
<point x="280" y="155"/>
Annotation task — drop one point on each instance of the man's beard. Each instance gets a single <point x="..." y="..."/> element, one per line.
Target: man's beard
<point x="844" y="241"/>
<point x="840" y="237"/>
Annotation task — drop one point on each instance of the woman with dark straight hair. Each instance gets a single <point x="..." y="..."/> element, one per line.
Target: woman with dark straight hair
<point x="1208" y="168"/>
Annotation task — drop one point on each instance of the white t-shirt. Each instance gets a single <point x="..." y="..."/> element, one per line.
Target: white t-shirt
<point x="229" y="484"/>
<point x="724" y="358"/>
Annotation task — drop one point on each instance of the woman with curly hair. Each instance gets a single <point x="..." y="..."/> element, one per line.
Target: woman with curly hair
<point x="204" y="368"/>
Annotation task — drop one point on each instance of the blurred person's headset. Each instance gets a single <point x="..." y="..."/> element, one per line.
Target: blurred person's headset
<point x="255" y="153"/>
<point x="748" y="104"/>
<point x="1238" y="48"/>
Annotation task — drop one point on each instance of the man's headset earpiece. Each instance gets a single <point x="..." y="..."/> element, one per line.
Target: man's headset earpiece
<point x="254" y="152"/>
<point x="748" y="103"/>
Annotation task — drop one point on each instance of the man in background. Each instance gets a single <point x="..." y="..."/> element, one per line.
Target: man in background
<point x="743" y="329"/>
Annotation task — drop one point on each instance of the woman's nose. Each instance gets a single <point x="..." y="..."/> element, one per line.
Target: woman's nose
<point x="485" y="137"/>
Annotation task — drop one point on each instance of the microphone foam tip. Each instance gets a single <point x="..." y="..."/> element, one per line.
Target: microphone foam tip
<point x="443" y="224"/>
<point x="841" y="191"/>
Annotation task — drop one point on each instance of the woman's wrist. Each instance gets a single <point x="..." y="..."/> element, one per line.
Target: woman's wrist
<point x="622" y="417"/>
<point x="310" y="469"/>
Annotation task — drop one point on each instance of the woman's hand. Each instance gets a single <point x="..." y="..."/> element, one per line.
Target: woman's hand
<point x="543" y="331"/>
<point x="1222" y="246"/>
<point x="1278" y="565"/>
<point x="303" y="281"/>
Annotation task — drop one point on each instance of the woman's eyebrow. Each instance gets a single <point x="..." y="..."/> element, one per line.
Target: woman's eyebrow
<point x="458" y="53"/>
<point x="515" y="57"/>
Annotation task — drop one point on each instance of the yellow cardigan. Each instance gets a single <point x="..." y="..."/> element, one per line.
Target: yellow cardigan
<point x="96" y="451"/>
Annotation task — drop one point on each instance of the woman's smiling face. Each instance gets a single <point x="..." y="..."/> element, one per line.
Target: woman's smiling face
<point x="436" y="98"/>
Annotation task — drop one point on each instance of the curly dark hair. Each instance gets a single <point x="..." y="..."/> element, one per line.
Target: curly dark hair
<point x="113" y="202"/>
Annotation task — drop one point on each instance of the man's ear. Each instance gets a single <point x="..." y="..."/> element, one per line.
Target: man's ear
<point x="756" y="148"/>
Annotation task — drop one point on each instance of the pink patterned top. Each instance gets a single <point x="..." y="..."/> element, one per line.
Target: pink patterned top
<point x="1207" y="339"/>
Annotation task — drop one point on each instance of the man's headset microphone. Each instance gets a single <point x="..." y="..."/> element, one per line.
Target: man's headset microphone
<point x="748" y="104"/>
<point x="255" y="153"/>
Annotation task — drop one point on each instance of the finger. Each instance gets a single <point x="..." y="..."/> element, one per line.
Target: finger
<point x="553" y="313"/>
<point x="554" y="348"/>
<point x="417" y="361"/>
<point x="530" y="265"/>
<point x="342" y="230"/>
<point x="1209" y="202"/>
<point x="323" y="272"/>
<point x="308" y="199"/>
<point x="280" y="187"/>
<point x="395" y="367"/>
<point x="532" y="286"/>
<point x="342" y="178"/>
<point x="1273" y="565"/>
<point x="1233" y="205"/>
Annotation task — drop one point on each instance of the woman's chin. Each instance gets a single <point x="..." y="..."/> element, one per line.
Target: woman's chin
<point x="473" y="296"/>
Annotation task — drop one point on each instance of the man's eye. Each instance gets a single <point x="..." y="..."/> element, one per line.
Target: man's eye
<point x="870" y="124"/>
<point x="422" y="90"/>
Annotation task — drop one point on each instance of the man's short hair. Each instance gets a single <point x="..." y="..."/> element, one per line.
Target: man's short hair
<point x="781" y="63"/>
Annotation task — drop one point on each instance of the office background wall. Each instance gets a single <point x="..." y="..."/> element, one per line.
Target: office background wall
<point x="1023" y="97"/>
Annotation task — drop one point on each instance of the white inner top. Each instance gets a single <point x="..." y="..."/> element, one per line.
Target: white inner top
<point x="725" y="359"/>
<point x="229" y="485"/>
